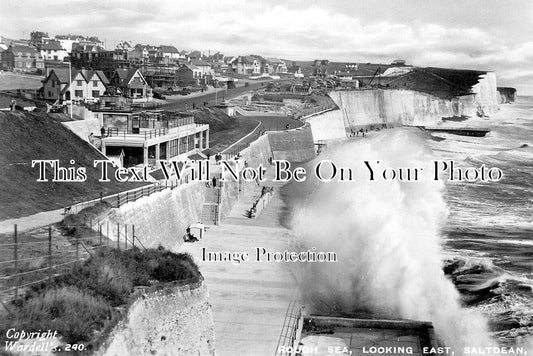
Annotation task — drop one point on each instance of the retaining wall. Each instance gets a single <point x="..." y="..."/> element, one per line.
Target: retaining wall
<point x="162" y="218"/>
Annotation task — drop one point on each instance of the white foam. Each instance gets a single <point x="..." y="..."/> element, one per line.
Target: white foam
<point x="387" y="236"/>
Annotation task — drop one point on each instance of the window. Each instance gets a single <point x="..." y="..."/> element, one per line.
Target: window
<point x="53" y="83"/>
<point x="95" y="83"/>
<point x="78" y="93"/>
<point x="173" y="148"/>
<point x="78" y="83"/>
<point x="96" y="93"/>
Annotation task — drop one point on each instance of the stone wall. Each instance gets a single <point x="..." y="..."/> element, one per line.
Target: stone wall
<point x="173" y="321"/>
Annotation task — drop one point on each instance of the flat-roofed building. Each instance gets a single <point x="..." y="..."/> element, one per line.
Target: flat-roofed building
<point x="147" y="137"/>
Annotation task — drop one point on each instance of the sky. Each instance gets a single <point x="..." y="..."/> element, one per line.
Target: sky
<point x="470" y="34"/>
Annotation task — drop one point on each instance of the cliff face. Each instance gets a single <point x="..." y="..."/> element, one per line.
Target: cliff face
<point x="400" y="107"/>
<point x="175" y="321"/>
<point x="507" y="95"/>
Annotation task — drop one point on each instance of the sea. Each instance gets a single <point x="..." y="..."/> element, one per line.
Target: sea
<point x="458" y="254"/>
<point x="488" y="237"/>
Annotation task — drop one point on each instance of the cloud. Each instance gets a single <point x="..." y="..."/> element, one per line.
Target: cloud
<point x="475" y="34"/>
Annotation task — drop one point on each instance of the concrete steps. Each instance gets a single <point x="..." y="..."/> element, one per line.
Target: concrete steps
<point x="209" y="214"/>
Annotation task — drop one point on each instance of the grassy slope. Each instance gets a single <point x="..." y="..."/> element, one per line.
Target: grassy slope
<point x="223" y="129"/>
<point x="30" y="136"/>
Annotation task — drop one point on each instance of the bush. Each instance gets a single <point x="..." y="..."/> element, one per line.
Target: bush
<point x="73" y="313"/>
<point x="82" y="300"/>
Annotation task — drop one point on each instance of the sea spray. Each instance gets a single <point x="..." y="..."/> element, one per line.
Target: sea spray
<point x="387" y="237"/>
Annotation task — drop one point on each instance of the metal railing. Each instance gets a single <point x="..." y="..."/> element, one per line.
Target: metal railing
<point x="119" y="199"/>
<point x="146" y="134"/>
<point x="290" y="328"/>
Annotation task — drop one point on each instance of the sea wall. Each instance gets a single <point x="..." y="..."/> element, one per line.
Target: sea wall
<point x="173" y="321"/>
<point x="162" y="218"/>
<point x="256" y="154"/>
<point x="400" y="107"/>
<point x="296" y="145"/>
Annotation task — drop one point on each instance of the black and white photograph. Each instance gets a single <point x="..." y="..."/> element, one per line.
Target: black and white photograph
<point x="266" y="178"/>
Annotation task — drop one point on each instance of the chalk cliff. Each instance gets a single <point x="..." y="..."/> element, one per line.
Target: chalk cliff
<point x="401" y="107"/>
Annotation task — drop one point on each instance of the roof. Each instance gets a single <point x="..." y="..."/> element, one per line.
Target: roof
<point x="23" y="49"/>
<point x="62" y="74"/>
<point x="168" y="49"/>
<point x="200" y="63"/>
<point x="125" y="76"/>
<point x="293" y="69"/>
<point x="52" y="45"/>
<point x="78" y="47"/>
<point x="189" y="66"/>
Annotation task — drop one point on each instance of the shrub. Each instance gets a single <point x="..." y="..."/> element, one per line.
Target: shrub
<point x="73" y="313"/>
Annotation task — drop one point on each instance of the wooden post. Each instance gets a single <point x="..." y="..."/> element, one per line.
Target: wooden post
<point x="100" y="232"/>
<point x="16" y="261"/>
<point x="49" y="253"/>
<point x="101" y="197"/>
<point x="133" y="235"/>
<point x="108" y="236"/>
<point x="118" y="236"/>
<point x="125" y="236"/>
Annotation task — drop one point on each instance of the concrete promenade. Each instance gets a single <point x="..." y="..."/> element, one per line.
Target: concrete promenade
<point x="250" y="299"/>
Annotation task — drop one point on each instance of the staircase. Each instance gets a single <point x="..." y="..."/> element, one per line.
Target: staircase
<point x="209" y="214"/>
<point x="212" y="200"/>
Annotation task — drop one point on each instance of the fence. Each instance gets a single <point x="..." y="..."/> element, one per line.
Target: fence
<point x="38" y="256"/>
<point x="147" y="134"/>
<point x="119" y="199"/>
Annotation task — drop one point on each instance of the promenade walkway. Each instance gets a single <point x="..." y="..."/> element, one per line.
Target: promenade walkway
<point x="249" y="299"/>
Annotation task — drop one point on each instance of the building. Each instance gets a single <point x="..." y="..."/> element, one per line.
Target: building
<point x="131" y="83"/>
<point x="278" y="66"/>
<point x="22" y="58"/>
<point x="86" y="85"/>
<point x="247" y="65"/>
<point x="52" y="51"/>
<point x="168" y="52"/>
<point x="188" y="74"/>
<point x="204" y="68"/>
<point x="296" y="71"/>
<point x="144" y="138"/>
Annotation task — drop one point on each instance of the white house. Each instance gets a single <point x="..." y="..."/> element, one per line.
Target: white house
<point x="53" y="51"/>
<point x="86" y="85"/>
